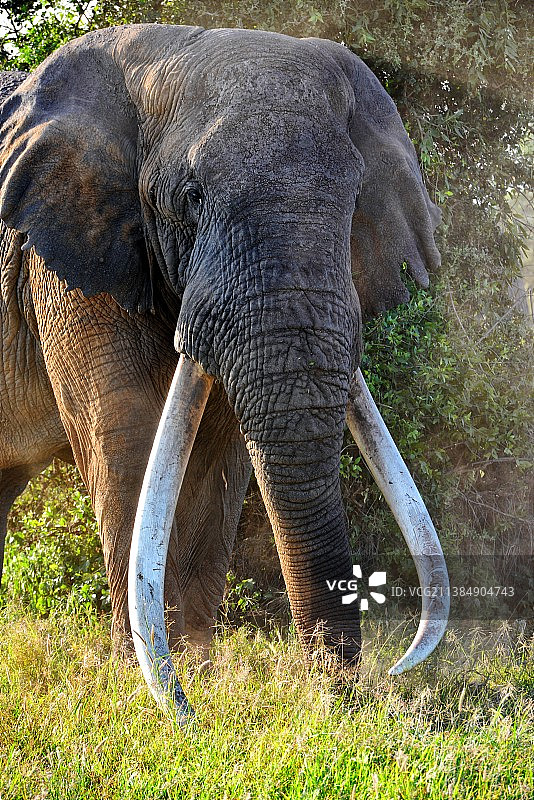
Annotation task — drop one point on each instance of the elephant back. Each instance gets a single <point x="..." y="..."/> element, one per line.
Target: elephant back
<point x="9" y="81"/>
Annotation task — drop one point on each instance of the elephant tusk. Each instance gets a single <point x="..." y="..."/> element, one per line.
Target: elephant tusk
<point x="396" y="484"/>
<point x="164" y="474"/>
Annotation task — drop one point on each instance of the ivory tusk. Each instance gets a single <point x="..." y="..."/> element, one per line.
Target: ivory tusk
<point x="396" y="484"/>
<point x="164" y="474"/>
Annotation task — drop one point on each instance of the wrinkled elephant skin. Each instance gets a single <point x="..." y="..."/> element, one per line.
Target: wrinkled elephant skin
<point x="240" y="198"/>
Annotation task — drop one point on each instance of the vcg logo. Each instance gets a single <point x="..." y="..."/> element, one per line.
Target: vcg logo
<point x="350" y="587"/>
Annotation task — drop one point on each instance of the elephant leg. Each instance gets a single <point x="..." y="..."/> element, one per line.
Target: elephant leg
<point x="12" y="483"/>
<point x="208" y="512"/>
<point x="111" y="429"/>
<point x="110" y="373"/>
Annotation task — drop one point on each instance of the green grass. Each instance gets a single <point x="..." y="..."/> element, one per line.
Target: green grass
<point x="76" y="724"/>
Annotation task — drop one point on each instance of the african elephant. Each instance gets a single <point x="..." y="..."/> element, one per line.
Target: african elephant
<point x="238" y="199"/>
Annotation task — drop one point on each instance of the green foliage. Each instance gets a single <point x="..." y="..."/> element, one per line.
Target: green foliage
<point x="33" y="30"/>
<point x="53" y="557"/>
<point x="350" y="466"/>
<point x="241" y="596"/>
<point x="457" y="398"/>
<point x="465" y="395"/>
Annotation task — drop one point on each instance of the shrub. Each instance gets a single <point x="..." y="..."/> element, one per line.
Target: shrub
<point x="53" y="557"/>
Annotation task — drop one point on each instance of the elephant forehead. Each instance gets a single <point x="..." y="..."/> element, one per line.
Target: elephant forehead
<point x="229" y="70"/>
<point x="271" y="146"/>
<point x="276" y="72"/>
<point x="250" y="136"/>
<point x="250" y="104"/>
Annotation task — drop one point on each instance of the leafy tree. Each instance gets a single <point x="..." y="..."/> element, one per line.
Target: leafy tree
<point x="34" y="29"/>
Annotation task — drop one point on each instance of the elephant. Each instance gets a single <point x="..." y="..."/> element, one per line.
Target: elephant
<point x="194" y="224"/>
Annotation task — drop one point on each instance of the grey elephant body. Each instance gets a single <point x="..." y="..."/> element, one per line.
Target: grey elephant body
<point x="31" y="433"/>
<point x="211" y="185"/>
<point x="35" y="421"/>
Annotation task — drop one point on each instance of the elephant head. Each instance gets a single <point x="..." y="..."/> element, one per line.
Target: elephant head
<point x="267" y="185"/>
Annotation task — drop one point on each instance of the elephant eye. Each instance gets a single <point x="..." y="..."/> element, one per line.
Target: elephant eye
<point x="151" y="196"/>
<point x="191" y="203"/>
<point x="194" y="196"/>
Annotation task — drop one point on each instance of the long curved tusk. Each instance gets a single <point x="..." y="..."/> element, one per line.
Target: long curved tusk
<point x="164" y="474"/>
<point x="396" y="484"/>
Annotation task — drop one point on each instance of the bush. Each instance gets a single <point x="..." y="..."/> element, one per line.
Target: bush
<point x="53" y="557"/>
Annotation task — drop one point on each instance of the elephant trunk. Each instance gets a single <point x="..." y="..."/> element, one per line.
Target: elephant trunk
<point x="293" y="421"/>
<point x="288" y="377"/>
<point x="299" y="482"/>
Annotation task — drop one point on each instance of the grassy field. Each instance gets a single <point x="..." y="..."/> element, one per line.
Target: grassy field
<point x="76" y="724"/>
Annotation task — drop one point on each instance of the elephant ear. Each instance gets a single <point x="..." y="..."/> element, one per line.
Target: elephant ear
<point x="395" y="219"/>
<point x="68" y="148"/>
